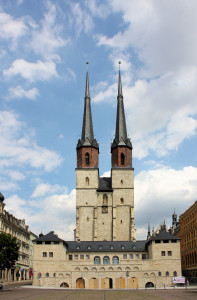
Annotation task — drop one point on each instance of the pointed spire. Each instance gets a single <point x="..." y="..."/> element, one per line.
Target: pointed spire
<point x="121" y="138"/>
<point x="87" y="136"/>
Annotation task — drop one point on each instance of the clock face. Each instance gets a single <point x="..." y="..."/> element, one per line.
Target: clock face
<point x="104" y="209"/>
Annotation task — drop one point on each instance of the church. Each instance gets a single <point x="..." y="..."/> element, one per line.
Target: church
<point x="105" y="252"/>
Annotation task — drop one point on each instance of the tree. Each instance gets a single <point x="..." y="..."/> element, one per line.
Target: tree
<point x="9" y="251"/>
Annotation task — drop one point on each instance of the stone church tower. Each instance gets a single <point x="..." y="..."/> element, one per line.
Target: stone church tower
<point x="104" y="205"/>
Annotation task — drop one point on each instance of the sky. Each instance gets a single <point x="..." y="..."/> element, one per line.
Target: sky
<point x="44" y="47"/>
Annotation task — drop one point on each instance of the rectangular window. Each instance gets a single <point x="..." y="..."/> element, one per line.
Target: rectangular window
<point x="70" y="257"/>
<point x="169" y="253"/>
<point x="131" y="256"/>
<point x="76" y="256"/>
<point x="124" y="256"/>
<point x="165" y="241"/>
<point x="81" y="256"/>
<point x="44" y="254"/>
<point x="87" y="256"/>
<point x="47" y="243"/>
<point x="137" y="256"/>
<point x="50" y="254"/>
<point x="143" y="256"/>
<point x="56" y="243"/>
<point x="163" y="253"/>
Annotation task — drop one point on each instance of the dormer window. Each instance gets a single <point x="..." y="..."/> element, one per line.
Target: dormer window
<point x="122" y="159"/>
<point x="87" y="159"/>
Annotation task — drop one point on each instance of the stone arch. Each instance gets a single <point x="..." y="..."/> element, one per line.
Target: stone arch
<point x="94" y="269"/>
<point x="97" y="260"/>
<point x="77" y="269"/>
<point x="127" y="269"/>
<point x="80" y="283"/>
<point x="136" y="268"/>
<point x="149" y="284"/>
<point x="152" y="274"/>
<point x="64" y="285"/>
<point x="110" y="269"/>
<point x="115" y="260"/>
<point x="102" y="269"/>
<point x="67" y="275"/>
<point x="85" y="269"/>
<point x="119" y="269"/>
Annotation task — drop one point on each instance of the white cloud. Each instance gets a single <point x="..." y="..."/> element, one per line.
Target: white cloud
<point x="159" y="191"/>
<point x="45" y="188"/>
<point x="15" y="175"/>
<point x="11" y="28"/>
<point x="19" y="92"/>
<point x="80" y="19"/>
<point x="32" y="71"/>
<point x="56" y="212"/>
<point x="19" y="148"/>
<point x="47" y="38"/>
<point x="98" y="9"/>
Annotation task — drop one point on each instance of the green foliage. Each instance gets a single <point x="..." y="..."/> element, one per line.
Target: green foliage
<point x="9" y="251"/>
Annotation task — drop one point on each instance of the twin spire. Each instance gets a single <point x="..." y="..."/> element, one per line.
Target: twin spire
<point x="87" y="136"/>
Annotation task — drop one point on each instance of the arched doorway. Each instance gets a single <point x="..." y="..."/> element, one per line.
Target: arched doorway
<point x="80" y="283"/>
<point x="149" y="285"/>
<point x="64" y="285"/>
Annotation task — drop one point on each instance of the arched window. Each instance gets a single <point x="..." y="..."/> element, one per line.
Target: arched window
<point x="122" y="159"/>
<point x="122" y="200"/>
<point x="97" y="260"/>
<point x="115" y="260"/>
<point x="87" y="181"/>
<point x="47" y="275"/>
<point x="106" y="260"/>
<point x="175" y="273"/>
<point x="105" y="199"/>
<point x="167" y="273"/>
<point x="87" y="159"/>
<point x="159" y="273"/>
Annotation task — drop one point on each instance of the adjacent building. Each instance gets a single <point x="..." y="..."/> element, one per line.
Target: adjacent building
<point x="16" y="228"/>
<point x="188" y="235"/>
<point x="105" y="253"/>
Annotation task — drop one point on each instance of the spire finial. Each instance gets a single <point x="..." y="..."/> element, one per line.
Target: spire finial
<point x="87" y="63"/>
<point x="119" y="82"/>
<point x="87" y="92"/>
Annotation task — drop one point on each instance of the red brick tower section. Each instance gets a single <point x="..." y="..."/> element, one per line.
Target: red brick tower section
<point x="121" y="148"/>
<point x="87" y="146"/>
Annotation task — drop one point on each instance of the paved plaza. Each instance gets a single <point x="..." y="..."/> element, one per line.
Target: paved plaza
<point x="15" y="292"/>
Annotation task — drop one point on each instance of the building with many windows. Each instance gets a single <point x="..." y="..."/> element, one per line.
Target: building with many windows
<point x="16" y="228"/>
<point x="105" y="253"/>
<point x="188" y="235"/>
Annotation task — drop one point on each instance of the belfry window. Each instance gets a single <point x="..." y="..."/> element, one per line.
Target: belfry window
<point x="87" y="159"/>
<point x="122" y="159"/>
<point x="105" y="199"/>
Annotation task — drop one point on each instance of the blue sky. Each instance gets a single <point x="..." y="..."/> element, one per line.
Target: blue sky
<point x="44" y="46"/>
